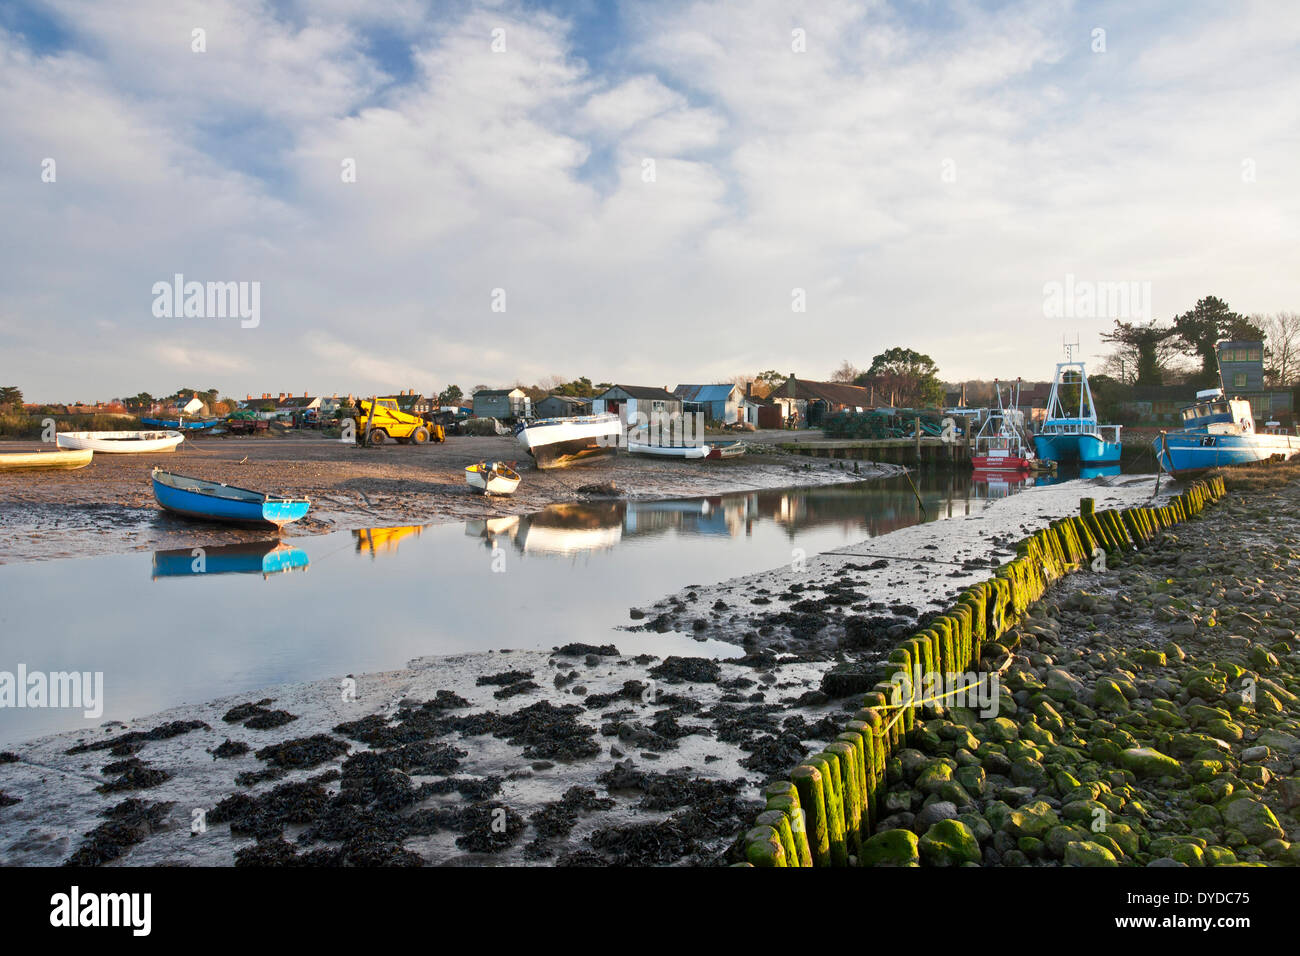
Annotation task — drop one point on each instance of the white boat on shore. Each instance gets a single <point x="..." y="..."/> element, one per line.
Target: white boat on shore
<point x="492" y="478"/>
<point x="557" y="442"/>
<point x="121" y="443"/>
<point x="669" y="451"/>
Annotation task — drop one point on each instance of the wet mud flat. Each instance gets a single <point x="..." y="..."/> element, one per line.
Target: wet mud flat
<point x="108" y="507"/>
<point x="577" y="757"/>
<point x="1149" y="715"/>
<point x="852" y="602"/>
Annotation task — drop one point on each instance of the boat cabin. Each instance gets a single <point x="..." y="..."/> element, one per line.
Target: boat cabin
<point x="1213" y="414"/>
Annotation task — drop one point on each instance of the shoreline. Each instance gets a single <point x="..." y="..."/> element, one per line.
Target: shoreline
<point x="514" y="731"/>
<point x="108" y="507"/>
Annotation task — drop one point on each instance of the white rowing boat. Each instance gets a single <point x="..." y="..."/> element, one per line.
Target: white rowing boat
<point x="669" y="451"/>
<point x="121" y="443"/>
<point x="492" y="478"/>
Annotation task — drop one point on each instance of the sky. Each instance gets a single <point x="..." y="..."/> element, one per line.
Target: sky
<point x="651" y="193"/>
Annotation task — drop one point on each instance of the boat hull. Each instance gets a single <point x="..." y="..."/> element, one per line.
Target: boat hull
<point x="730" y="449"/>
<point x="560" y="442"/>
<point x="122" y="443"/>
<point x="669" y="451"/>
<point x="1085" y="449"/>
<point x="1005" y="463"/>
<point x="489" y="481"/>
<point x="1190" y="454"/>
<point x="61" y="460"/>
<point x="212" y="501"/>
<point x="181" y="424"/>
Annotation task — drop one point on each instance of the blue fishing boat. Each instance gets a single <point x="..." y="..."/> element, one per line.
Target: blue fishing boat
<point x="1218" y="432"/>
<point x="1070" y="432"/>
<point x="213" y="501"/>
<point x="246" y="557"/>
<point x="184" y="424"/>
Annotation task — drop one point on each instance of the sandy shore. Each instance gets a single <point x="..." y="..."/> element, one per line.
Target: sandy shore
<point x="109" y="506"/>
<point x="582" y="756"/>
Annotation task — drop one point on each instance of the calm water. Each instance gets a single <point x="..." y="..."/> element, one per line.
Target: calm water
<point x="172" y="627"/>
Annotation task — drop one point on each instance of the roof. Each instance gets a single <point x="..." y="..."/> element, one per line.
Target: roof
<point x="494" y="392"/>
<point x="834" y="393"/>
<point x="705" y="393"/>
<point x="568" y="399"/>
<point x="290" y="401"/>
<point x="643" y="391"/>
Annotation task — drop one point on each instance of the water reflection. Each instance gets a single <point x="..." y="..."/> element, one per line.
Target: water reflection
<point x="876" y="508"/>
<point x="375" y="541"/>
<point x="1080" y="471"/>
<point x="266" y="557"/>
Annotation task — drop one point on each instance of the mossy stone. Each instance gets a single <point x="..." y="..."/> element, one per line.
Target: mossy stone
<point x="891" y="848"/>
<point x="949" y="843"/>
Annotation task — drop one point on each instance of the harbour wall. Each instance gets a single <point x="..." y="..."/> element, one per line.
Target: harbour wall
<point x="827" y="808"/>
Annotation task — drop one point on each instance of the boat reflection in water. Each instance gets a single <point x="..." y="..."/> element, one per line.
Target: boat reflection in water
<point x="374" y="541"/>
<point x="1000" y="484"/>
<point x="266" y="557"/>
<point x="876" y="507"/>
<point x="1081" y="471"/>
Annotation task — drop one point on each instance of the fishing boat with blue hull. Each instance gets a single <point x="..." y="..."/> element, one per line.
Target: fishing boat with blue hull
<point x="1070" y="432"/>
<point x="214" y="501"/>
<point x="245" y="557"/>
<point x="1219" y="432"/>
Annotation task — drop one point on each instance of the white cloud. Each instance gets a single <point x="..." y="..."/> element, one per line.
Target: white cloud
<point x="823" y="170"/>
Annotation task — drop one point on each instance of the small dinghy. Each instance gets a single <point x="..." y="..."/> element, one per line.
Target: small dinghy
<point x="669" y="451"/>
<point x="492" y="478"/>
<point x="726" y="449"/>
<point x="213" y="501"/>
<point x="65" y="460"/>
<point x="121" y="443"/>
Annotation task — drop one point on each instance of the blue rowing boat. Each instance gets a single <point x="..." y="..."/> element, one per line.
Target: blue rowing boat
<point x="183" y="424"/>
<point x="213" y="501"/>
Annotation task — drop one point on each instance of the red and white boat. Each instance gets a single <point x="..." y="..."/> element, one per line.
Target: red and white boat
<point x="1000" y="445"/>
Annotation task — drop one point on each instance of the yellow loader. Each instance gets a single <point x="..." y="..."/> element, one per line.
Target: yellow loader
<point x="380" y="419"/>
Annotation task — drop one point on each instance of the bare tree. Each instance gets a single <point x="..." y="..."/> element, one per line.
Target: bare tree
<point x="846" y="373"/>
<point x="1282" y="347"/>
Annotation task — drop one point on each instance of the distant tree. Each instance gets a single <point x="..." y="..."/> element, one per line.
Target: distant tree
<point x="451" y="395"/>
<point x="1282" y="347"/>
<point x="142" y="401"/>
<point x="1204" y="326"/>
<point x="846" y="373"/>
<point x="578" y="388"/>
<point x="771" y="378"/>
<point x="1142" y="353"/>
<point x="11" y="395"/>
<point x="905" y="377"/>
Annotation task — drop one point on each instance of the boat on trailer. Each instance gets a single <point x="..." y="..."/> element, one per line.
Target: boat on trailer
<point x="492" y="478"/>
<point x="214" y="501"/>
<point x="34" y="460"/>
<point x="1219" y="432"/>
<point x="121" y="443"/>
<point x="559" y="442"/>
<point x="1070" y="432"/>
